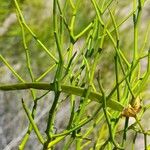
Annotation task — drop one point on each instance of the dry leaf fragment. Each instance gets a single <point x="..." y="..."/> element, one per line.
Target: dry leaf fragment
<point x="133" y="109"/>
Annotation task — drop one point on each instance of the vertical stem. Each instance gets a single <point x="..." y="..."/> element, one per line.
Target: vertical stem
<point x="57" y="79"/>
<point x="49" y="129"/>
<point x="134" y="139"/>
<point x="117" y="77"/>
<point x="136" y="20"/>
<point x="125" y="130"/>
<point x="107" y="117"/>
<point x="145" y="141"/>
<point x="32" y="33"/>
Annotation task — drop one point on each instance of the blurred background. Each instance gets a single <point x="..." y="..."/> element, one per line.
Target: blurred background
<point x="38" y="15"/>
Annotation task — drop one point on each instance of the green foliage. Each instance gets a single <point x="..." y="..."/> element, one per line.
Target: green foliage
<point x="72" y="51"/>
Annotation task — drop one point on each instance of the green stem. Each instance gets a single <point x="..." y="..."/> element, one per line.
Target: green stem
<point x="41" y="139"/>
<point x="84" y="31"/>
<point x="49" y="129"/>
<point x="95" y="96"/>
<point x="119" y="52"/>
<point x="12" y="70"/>
<point x="138" y="122"/>
<point x="117" y="77"/>
<point x="45" y="73"/>
<point x="145" y="141"/>
<point x="57" y="79"/>
<point x="104" y="104"/>
<point x="125" y="130"/>
<point x="85" y="121"/>
<point x="136" y="20"/>
<point x="32" y="33"/>
<point x="61" y="136"/>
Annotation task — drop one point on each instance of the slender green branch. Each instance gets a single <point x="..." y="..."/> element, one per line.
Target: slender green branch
<point x="32" y="33"/>
<point x="139" y="123"/>
<point x="117" y="77"/>
<point x="116" y="56"/>
<point x="45" y="73"/>
<point x="145" y="142"/>
<point x="145" y="37"/>
<point x="136" y="20"/>
<point x="95" y="96"/>
<point x="84" y="31"/>
<point x="40" y="137"/>
<point x="63" y="135"/>
<point x="145" y="78"/>
<point x="12" y="70"/>
<point x="119" y="52"/>
<point x="85" y="121"/>
<point x="125" y="130"/>
<point x="25" y="138"/>
<point x="104" y="104"/>
<point x="57" y="79"/>
<point x="26" y="49"/>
